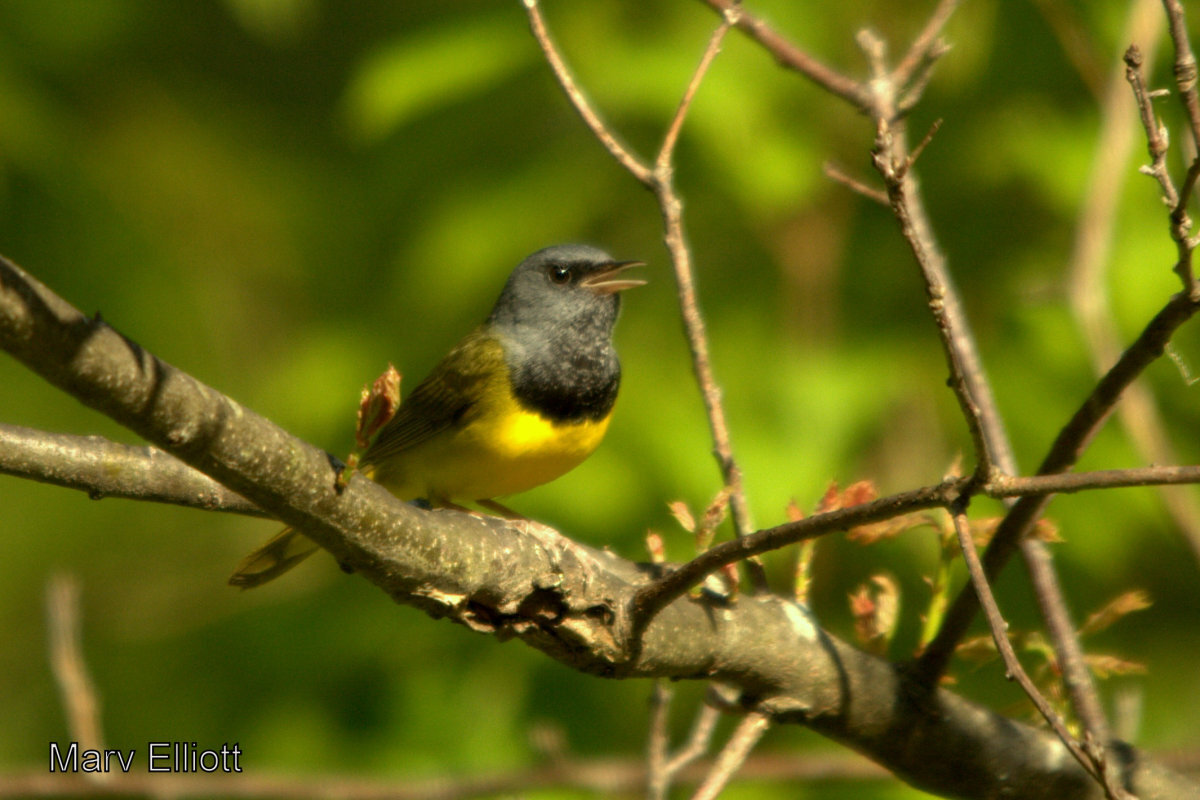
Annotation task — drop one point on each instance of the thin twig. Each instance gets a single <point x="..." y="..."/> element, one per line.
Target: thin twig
<point x="999" y="628"/>
<point x="579" y="100"/>
<point x="662" y="765"/>
<point x="1185" y="66"/>
<point x="1187" y="80"/>
<point x="836" y="173"/>
<point x="1076" y="676"/>
<point x="1091" y="259"/>
<point x="1066" y="482"/>
<point x="967" y="379"/>
<point x="76" y="690"/>
<point x="1157" y="145"/>
<point x="993" y="452"/>
<point x="658" y="778"/>
<point x="915" y="67"/>
<point x="1156" y="134"/>
<point x="733" y="754"/>
<point x="698" y="740"/>
<point x="653" y="597"/>
<point x="1070" y="443"/>
<point x="666" y="152"/>
<point x="967" y="382"/>
<point x="894" y="163"/>
<point x="791" y="56"/>
<point x="675" y="238"/>
<point x="658" y="178"/>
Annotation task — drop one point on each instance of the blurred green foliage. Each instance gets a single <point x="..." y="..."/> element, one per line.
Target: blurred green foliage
<point x="280" y="196"/>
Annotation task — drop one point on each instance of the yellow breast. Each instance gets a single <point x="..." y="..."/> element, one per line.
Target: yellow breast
<point x="502" y="450"/>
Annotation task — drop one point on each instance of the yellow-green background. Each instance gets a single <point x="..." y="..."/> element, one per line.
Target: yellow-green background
<point x="280" y="196"/>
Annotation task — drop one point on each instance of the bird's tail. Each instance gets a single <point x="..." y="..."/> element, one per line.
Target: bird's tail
<point x="285" y="550"/>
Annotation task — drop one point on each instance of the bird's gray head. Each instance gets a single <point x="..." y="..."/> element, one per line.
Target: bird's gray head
<point x="564" y="287"/>
<point x="555" y="320"/>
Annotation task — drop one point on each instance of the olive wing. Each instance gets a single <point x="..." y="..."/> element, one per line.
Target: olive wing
<point x="447" y="397"/>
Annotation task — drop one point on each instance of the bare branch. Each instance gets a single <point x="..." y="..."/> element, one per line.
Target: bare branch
<point x="1156" y="134"/>
<point x="659" y="180"/>
<point x="791" y="56"/>
<point x="579" y="100"/>
<point x="912" y="74"/>
<point x="992" y="449"/>
<point x="651" y="599"/>
<point x="1091" y="259"/>
<point x="666" y="153"/>
<point x="999" y="628"/>
<point x="1070" y="443"/>
<point x="663" y="767"/>
<point x="1066" y="482"/>
<point x="1157" y="144"/>
<point x="103" y="468"/>
<point x="733" y="755"/>
<point x="658" y="779"/>
<point x="523" y="580"/>
<point x="75" y="687"/>
<point x="836" y="173"/>
<point x="1185" y="67"/>
<point x="1076" y="676"/>
<point x="675" y="239"/>
<point x="966" y="376"/>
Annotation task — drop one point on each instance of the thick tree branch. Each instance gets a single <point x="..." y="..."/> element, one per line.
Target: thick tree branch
<point x="524" y="580"/>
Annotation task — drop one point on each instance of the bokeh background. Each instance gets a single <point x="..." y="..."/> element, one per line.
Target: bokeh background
<point x="282" y="196"/>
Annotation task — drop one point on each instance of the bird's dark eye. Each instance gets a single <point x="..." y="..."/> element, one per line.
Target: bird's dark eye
<point x="560" y="274"/>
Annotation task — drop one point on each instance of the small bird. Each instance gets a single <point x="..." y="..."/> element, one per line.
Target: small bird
<point x="521" y="400"/>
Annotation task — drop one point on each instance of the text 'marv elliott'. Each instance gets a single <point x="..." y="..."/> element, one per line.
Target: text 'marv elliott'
<point x="160" y="757"/>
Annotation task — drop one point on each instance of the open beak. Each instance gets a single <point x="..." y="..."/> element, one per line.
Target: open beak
<point x="608" y="280"/>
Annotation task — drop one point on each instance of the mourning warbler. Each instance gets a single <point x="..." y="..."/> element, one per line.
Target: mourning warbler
<point x="521" y="400"/>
